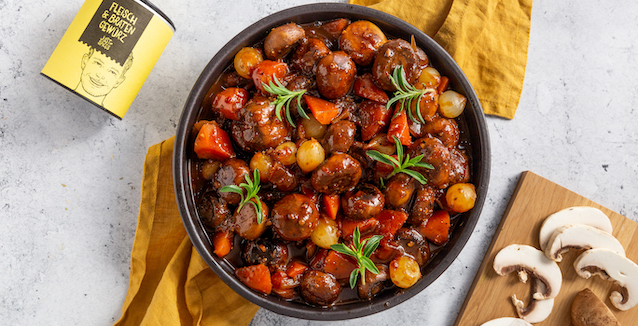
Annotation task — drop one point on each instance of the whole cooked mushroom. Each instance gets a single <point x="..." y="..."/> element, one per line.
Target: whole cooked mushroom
<point x="580" y="236"/>
<point x="506" y="321"/>
<point x="530" y="262"/>
<point x="610" y="265"/>
<point x="573" y="215"/>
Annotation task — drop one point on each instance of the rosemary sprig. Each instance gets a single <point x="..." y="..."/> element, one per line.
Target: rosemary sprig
<point x="406" y="92"/>
<point x="252" y="188"/>
<point x="361" y="251"/>
<point x="284" y="97"/>
<point x="401" y="164"/>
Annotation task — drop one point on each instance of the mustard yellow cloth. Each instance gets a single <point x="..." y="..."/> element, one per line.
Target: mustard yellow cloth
<point x="170" y="284"/>
<point x="487" y="38"/>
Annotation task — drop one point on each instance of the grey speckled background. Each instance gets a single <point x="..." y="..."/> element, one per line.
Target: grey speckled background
<point x="70" y="174"/>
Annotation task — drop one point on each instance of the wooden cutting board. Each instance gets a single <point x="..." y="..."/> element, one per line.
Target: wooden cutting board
<point x="534" y="199"/>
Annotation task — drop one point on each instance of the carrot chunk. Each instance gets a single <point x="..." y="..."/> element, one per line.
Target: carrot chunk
<point x="399" y="128"/>
<point x="330" y="205"/>
<point x="436" y="229"/>
<point x="223" y="243"/>
<point x="322" y="110"/>
<point x="339" y="265"/>
<point x="390" y="221"/>
<point x="365" y="87"/>
<point x="213" y="142"/>
<point x="256" y="277"/>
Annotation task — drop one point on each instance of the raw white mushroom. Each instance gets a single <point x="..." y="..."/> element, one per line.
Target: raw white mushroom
<point x="609" y="265"/>
<point x="528" y="260"/>
<point x="537" y="310"/>
<point x="580" y="236"/>
<point x="573" y="215"/>
<point x="506" y="321"/>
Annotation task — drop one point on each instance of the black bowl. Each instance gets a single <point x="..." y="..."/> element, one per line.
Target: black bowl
<point x="475" y="127"/>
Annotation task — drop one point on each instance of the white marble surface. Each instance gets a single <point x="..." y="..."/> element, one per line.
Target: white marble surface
<point x="70" y="174"/>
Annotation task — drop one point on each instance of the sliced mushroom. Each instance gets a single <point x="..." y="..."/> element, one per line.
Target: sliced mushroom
<point x="537" y="310"/>
<point x="573" y="215"/>
<point x="506" y="321"/>
<point x="580" y="236"/>
<point x="610" y="265"/>
<point x="528" y="260"/>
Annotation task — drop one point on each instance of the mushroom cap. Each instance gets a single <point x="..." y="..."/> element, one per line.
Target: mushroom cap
<point x="580" y="236"/>
<point x="506" y="321"/>
<point x="573" y="215"/>
<point x="529" y="260"/>
<point x="610" y="265"/>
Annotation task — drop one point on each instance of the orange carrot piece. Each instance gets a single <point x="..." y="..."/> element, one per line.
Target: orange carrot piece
<point x="365" y="227"/>
<point x="442" y="85"/>
<point x="365" y="87"/>
<point x="330" y="205"/>
<point x="339" y="265"/>
<point x="399" y="128"/>
<point x="436" y="229"/>
<point x="223" y="243"/>
<point x="390" y="221"/>
<point x="322" y="110"/>
<point x="283" y="285"/>
<point x="256" y="277"/>
<point x="296" y="268"/>
<point x="213" y="142"/>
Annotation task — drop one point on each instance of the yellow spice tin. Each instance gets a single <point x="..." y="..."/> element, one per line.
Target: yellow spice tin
<point x="109" y="50"/>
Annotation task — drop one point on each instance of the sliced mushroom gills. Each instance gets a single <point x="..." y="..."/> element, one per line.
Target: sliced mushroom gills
<point x="530" y="262"/>
<point x="580" y="236"/>
<point x="610" y="265"/>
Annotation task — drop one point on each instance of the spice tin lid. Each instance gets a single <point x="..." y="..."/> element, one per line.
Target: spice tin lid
<point x="109" y="50"/>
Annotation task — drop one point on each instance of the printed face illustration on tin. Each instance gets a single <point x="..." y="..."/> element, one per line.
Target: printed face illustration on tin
<point x="100" y="75"/>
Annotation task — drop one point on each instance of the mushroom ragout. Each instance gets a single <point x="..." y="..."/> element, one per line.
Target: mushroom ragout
<point x="326" y="167"/>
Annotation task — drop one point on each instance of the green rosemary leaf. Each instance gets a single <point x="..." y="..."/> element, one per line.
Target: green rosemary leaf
<point x="284" y="97"/>
<point x="353" y="278"/>
<point x="369" y="265"/>
<point x="372" y="245"/>
<point x="416" y="175"/>
<point x="231" y="188"/>
<point x="380" y="157"/>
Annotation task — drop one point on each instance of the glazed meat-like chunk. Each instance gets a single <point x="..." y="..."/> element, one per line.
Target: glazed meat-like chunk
<point x="213" y="211"/>
<point x="246" y="221"/>
<point x="340" y="172"/>
<point x="335" y="75"/>
<point x="269" y="252"/>
<point x="393" y="54"/>
<point x="339" y="137"/>
<point x="258" y="127"/>
<point x="282" y="39"/>
<point x="361" y="40"/>
<point x="423" y="205"/>
<point x="309" y="52"/>
<point x="363" y="202"/>
<point x="232" y="172"/>
<point x="435" y="153"/>
<point x="294" y="217"/>
<point x="319" y="288"/>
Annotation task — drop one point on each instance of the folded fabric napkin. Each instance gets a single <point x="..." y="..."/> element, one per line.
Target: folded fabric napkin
<point x="170" y="284"/>
<point x="487" y="38"/>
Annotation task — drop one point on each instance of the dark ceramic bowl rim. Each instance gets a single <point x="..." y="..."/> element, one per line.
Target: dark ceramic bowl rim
<point x="251" y="35"/>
